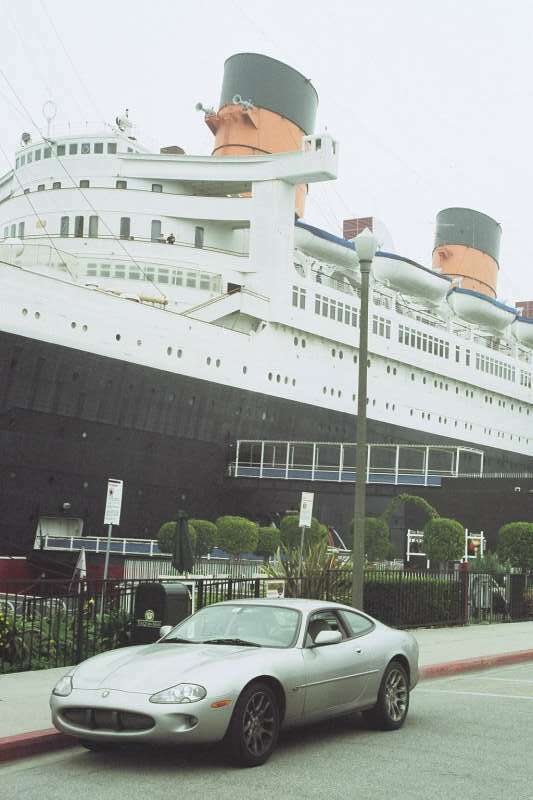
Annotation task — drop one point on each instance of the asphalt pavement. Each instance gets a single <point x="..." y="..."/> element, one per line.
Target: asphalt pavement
<point x="466" y="737"/>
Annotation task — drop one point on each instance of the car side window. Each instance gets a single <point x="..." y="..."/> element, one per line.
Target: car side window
<point x="322" y="621"/>
<point x="356" y="624"/>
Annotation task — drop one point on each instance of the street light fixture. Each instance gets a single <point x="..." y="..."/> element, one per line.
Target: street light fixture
<point x="365" y="246"/>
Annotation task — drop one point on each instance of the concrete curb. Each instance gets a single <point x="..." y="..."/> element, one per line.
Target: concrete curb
<point x="472" y="664"/>
<point x="30" y="744"/>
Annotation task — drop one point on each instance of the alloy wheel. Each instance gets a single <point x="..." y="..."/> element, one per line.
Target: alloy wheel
<point x="259" y="724"/>
<point x="396" y="695"/>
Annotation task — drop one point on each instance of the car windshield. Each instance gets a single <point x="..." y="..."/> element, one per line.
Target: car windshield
<point x="252" y="625"/>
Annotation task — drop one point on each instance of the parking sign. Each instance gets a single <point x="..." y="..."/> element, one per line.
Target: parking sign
<point x="306" y="509"/>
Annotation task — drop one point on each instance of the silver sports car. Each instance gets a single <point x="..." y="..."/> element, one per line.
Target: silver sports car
<point x="237" y="671"/>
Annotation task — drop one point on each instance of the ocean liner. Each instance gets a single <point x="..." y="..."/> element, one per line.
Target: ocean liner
<point x="159" y="310"/>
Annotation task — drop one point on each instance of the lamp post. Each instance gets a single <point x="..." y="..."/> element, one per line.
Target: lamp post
<point x="365" y="246"/>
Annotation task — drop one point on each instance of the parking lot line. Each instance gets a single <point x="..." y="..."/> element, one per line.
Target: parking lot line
<point x="474" y="694"/>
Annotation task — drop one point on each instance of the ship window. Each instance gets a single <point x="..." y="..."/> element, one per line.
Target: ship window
<point x="73" y="149"/>
<point x="47" y="152"/>
<point x="40" y="187"/>
<point x="121" y="184"/>
<point x="155" y="233"/>
<point x="98" y="147"/>
<point x="179" y="353"/>
<point x="37" y="155"/>
<point x="295" y="296"/>
<point x="13" y="231"/>
<point x="162" y="276"/>
<point x="84" y="184"/>
<point x="60" y="149"/>
<point x="26" y="191"/>
<point x="6" y="231"/>
<point x="467" y="358"/>
<point x="204" y="281"/>
<point x="354" y="318"/>
<point x="85" y="148"/>
<point x="93" y="227"/>
<point x="120" y="271"/>
<point x="134" y="274"/>
<point x="78" y="226"/>
<point x="63" y="230"/>
<point x="17" y="163"/>
<point x="30" y="158"/>
<point x="198" y="236"/>
<point x="56" y="185"/>
<point x="244" y="370"/>
<point x="217" y="362"/>
<point x="112" y="147"/>
<point x="157" y="187"/>
<point x="332" y="309"/>
<point x="457" y="353"/>
<point x="22" y="160"/>
<point x="191" y="280"/>
<point x="92" y="270"/>
<point x="21" y="230"/>
<point x="125" y="227"/>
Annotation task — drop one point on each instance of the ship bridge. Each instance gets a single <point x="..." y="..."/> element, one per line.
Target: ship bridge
<point x="396" y="464"/>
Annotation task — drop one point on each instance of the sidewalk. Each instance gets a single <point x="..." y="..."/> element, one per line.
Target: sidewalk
<point x="24" y="696"/>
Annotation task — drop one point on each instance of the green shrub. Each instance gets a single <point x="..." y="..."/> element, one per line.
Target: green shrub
<point x="167" y="535"/>
<point x="444" y="539"/>
<point x="377" y="539"/>
<point x="268" y="541"/>
<point x="205" y="535"/>
<point x="413" y="502"/>
<point x="410" y="600"/>
<point x="515" y="544"/>
<point x="490" y="562"/>
<point x="237" y="535"/>
<point x="291" y="532"/>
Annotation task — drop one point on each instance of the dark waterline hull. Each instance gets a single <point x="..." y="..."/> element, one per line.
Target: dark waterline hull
<point x="70" y="419"/>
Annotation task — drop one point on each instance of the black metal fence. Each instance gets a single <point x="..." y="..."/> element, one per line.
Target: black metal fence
<point x="54" y="624"/>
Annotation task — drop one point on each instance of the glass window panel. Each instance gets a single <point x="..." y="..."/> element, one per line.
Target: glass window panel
<point x="61" y="149"/>
<point x="84" y="184"/>
<point x="78" y="226"/>
<point x="13" y="231"/>
<point x="199" y="236"/>
<point x="93" y="227"/>
<point x="125" y="227"/>
<point x="63" y="230"/>
<point x="56" y="185"/>
<point x="156" y="230"/>
<point x="30" y="158"/>
<point x="191" y="280"/>
<point x="85" y="148"/>
<point x="98" y="147"/>
<point x="47" y="152"/>
<point x="73" y="149"/>
<point x="37" y="155"/>
<point x="105" y="270"/>
<point x="21" y="230"/>
<point x="157" y="187"/>
<point x="111" y="147"/>
<point x="22" y="160"/>
<point x="121" y="184"/>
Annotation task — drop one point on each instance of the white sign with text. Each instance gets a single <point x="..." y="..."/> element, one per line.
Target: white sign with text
<point x="306" y="509"/>
<point x="113" y="502"/>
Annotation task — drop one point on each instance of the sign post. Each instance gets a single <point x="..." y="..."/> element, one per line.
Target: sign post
<point x="111" y="517"/>
<point x="306" y="516"/>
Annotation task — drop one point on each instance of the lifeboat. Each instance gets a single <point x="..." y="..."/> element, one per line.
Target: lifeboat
<point x="325" y="246"/>
<point x="522" y="330"/>
<point x="480" y="309"/>
<point x="410" y="278"/>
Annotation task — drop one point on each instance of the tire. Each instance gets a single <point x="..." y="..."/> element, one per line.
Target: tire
<point x="391" y="709"/>
<point x="254" y="728"/>
<point x="97" y="747"/>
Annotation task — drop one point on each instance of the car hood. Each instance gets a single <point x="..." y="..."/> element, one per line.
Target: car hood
<point x="151" y="668"/>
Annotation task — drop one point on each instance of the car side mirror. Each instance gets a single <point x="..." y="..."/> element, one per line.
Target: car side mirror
<point x="327" y="637"/>
<point x="164" y="629"/>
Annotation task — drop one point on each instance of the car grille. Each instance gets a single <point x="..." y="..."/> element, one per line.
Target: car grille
<point x="104" y="719"/>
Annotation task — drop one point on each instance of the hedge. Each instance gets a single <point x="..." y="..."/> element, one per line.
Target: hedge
<point x="409" y="600"/>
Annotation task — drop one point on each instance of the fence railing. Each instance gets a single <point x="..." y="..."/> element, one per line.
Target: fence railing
<point x="52" y="623"/>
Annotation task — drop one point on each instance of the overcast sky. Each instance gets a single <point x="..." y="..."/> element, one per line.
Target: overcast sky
<point x="431" y="102"/>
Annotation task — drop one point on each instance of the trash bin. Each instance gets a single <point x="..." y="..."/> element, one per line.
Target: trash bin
<point x="158" y="604"/>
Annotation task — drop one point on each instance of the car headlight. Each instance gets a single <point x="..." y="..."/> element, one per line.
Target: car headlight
<point x="182" y="693"/>
<point x="64" y="685"/>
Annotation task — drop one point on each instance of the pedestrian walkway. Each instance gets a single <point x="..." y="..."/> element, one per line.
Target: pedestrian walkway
<point x="24" y="696"/>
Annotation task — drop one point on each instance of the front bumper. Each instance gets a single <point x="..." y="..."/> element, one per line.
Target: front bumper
<point x="112" y="716"/>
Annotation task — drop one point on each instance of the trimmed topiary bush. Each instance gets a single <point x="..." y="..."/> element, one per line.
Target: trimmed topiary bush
<point x="291" y="532"/>
<point x="444" y="539"/>
<point x="515" y="544"/>
<point x="205" y="533"/>
<point x="167" y="535"/>
<point x="237" y="535"/>
<point x="268" y="541"/>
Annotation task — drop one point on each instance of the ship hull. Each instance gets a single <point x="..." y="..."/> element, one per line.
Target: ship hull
<point x="69" y="420"/>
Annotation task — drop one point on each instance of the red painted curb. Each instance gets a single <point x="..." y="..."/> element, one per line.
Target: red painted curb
<point x="33" y="743"/>
<point x="471" y="664"/>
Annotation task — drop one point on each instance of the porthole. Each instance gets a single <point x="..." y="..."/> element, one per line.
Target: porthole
<point x="333" y="352"/>
<point x="332" y="392"/>
<point x="456" y="390"/>
<point x="373" y="401"/>
<point x="208" y="360"/>
<point x="341" y="354"/>
<point x="244" y="370"/>
<point x="217" y="362"/>
<point x="179" y="353"/>
<point x="24" y="312"/>
<point x="394" y="407"/>
<point x="295" y="340"/>
<point x="394" y="371"/>
<point x="72" y="325"/>
<point x="84" y="328"/>
<point x="411" y="412"/>
<point x="412" y="376"/>
<point x="369" y="363"/>
<point x="294" y="381"/>
<point x="353" y="398"/>
<point x="355" y="359"/>
<point x="169" y="351"/>
<point x="37" y="315"/>
<point x="286" y="380"/>
<point x="339" y="393"/>
<point x="388" y="369"/>
<point x="324" y="390"/>
<point x="270" y="376"/>
<point x="387" y="406"/>
<point x="304" y="343"/>
<point x="118" y="337"/>
<point x="139" y="342"/>
<point x="278" y="378"/>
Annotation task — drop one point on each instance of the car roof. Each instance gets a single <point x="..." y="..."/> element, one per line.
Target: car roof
<point x="297" y="603"/>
